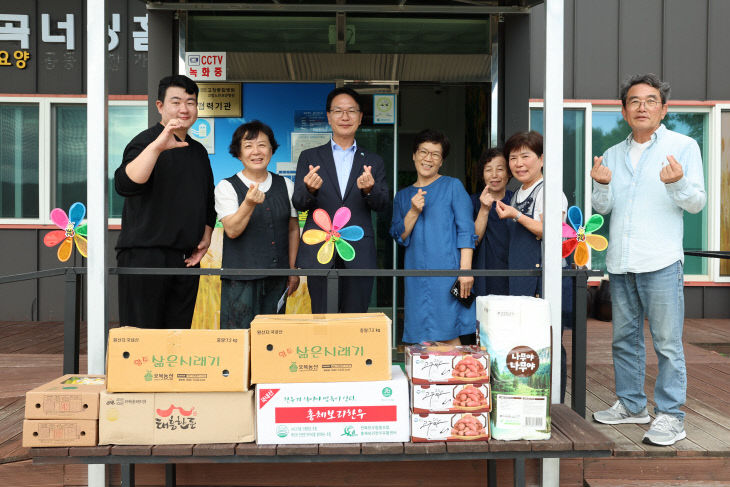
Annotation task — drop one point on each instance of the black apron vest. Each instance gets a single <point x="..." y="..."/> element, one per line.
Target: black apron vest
<point x="265" y="242"/>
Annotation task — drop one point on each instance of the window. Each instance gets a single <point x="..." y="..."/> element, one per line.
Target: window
<point x="125" y="121"/>
<point x="43" y="154"/>
<point x="573" y="151"/>
<point x="19" y="181"/>
<point x="609" y="128"/>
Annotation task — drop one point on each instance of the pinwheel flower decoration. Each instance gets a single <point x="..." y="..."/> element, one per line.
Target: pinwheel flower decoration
<point x="578" y="236"/>
<point x="71" y="230"/>
<point x="333" y="235"/>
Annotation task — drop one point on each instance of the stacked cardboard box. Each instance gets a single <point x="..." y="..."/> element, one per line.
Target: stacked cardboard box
<point x="63" y="412"/>
<point x="327" y="379"/>
<point x="450" y="399"/>
<point x="516" y="332"/>
<point x="176" y="386"/>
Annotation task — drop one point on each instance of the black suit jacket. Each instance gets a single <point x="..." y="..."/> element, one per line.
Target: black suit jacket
<point x="328" y="198"/>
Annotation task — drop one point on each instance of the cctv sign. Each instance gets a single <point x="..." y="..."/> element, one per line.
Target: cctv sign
<point x="205" y="66"/>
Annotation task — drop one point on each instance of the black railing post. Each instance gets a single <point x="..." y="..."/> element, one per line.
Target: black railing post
<point x="71" y="321"/>
<point x="333" y="304"/>
<point x="578" y="366"/>
<point x="127" y="471"/>
<point x="170" y="475"/>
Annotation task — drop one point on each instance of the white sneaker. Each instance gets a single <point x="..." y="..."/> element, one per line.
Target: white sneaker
<point x="618" y="414"/>
<point x="665" y="430"/>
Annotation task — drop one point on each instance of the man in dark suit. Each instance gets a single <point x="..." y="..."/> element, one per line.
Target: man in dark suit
<point x="340" y="173"/>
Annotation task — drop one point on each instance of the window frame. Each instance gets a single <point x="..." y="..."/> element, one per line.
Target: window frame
<point x="714" y="190"/>
<point x="46" y="152"/>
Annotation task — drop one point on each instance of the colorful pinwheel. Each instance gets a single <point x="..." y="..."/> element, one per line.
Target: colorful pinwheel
<point x="579" y="236"/>
<point x="70" y="230"/>
<point x="333" y="235"/>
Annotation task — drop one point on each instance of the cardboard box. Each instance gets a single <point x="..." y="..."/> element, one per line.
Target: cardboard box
<point x="171" y="418"/>
<point x="450" y="398"/>
<point x="59" y="432"/>
<point x="320" y="348"/>
<point x="449" y="427"/>
<point x="73" y="396"/>
<point x="343" y="412"/>
<point x="143" y="360"/>
<point x="516" y="332"/>
<point x="447" y="364"/>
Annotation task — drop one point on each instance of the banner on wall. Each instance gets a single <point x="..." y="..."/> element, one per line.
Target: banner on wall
<point x="203" y="130"/>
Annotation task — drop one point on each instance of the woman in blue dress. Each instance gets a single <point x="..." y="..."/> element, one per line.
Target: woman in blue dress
<point x="432" y="219"/>
<point x="492" y="232"/>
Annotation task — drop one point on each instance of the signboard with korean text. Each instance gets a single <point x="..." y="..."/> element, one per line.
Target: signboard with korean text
<point x="43" y="47"/>
<point x="219" y="100"/>
<point x="205" y="66"/>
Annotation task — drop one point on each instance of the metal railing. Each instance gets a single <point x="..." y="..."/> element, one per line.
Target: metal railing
<point x="72" y="302"/>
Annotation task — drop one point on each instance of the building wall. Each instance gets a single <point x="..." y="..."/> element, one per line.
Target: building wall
<point x="56" y="59"/>
<point x="42" y="299"/>
<point x="684" y="42"/>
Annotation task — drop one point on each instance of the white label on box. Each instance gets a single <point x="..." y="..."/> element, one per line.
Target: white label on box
<point x="448" y="397"/>
<point x="343" y="412"/>
<point x="521" y="411"/>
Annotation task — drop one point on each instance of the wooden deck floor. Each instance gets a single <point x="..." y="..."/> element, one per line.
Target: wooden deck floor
<point x="30" y="354"/>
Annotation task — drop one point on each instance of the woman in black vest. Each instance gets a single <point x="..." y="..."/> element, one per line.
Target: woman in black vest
<point x="261" y="228"/>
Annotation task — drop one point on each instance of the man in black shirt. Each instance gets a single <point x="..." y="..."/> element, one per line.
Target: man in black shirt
<point x="169" y="213"/>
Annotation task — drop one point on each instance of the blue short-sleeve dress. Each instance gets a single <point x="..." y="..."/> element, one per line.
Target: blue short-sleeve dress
<point x="444" y="226"/>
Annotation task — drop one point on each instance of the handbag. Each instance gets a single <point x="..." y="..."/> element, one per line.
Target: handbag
<point x="455" y="292"/>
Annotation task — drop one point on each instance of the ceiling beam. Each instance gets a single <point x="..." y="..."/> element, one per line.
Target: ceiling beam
<point x="344" y="8"/>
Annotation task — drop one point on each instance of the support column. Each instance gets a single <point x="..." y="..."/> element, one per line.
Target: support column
<point x="516" y="62"/>
<point x="161" y="56"/>
<point x="97" y="202"/>
<point x="553" y="171"/>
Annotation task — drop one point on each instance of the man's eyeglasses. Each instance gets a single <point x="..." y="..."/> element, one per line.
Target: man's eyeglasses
<point x="423" y="153"/>
<point x="336" y="112"/>
<point x="650" y="104"/>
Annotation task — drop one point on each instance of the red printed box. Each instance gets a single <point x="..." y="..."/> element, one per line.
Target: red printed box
<point x="450" y="398"/>
<point x="449" y="427"/>
<point x="447" y="364"/>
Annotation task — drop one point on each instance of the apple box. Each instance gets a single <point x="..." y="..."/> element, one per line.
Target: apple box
<point x="447" y="364"/>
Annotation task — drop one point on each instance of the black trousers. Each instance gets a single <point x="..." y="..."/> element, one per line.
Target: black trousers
<point x="353" y="292"/>
<point x="156" y="301"/>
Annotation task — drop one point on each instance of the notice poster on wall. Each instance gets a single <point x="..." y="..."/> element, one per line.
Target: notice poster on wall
<point x="203" y="130"/>
<point x="383" y="109"/>
<point x="301" y="141"/>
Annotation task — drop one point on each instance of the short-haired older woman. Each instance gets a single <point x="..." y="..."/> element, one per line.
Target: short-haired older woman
<point x="260" y="225"/>
<point x="432" y="219"/>
<point x="525" y="156"/>
<point x="492" y="232"/>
